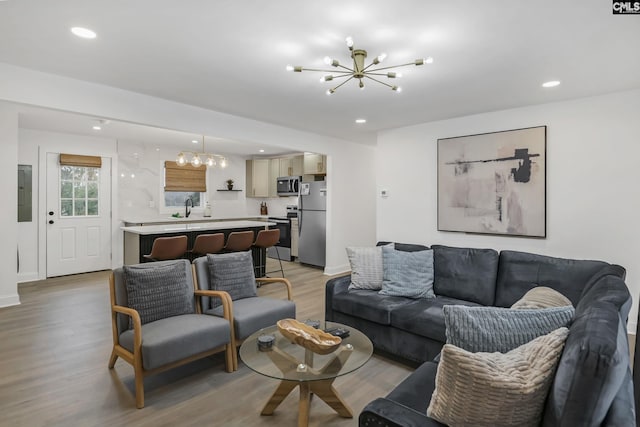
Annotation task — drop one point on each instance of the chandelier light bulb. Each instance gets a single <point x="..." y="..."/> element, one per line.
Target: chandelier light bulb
<point x="289" y="67"/>
<point x="196" y="161"/>
<point x="223" y="163"/>
<point x="396" y="88"/>
<point x="330" y="91"/>
<point x="327" y="60"/>
<point x="349" y="41"/>
<point x="428" y="60"/>
<point x="180" y="160"/>
<point x="211" y="162"/>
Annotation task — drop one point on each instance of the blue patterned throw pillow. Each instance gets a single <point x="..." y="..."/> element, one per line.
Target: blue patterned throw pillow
<point x="407" y="274"/>
<point x="159" y="290"/>
<point x="491" y="329"/>
<point x="232" y="273"/>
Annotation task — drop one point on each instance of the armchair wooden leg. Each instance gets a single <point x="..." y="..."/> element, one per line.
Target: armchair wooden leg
<point x="113" y="358"/>
<point x="139" y="375"/>
<point x="230" y="358"/>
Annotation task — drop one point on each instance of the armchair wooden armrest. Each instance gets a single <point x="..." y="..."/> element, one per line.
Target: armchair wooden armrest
<point x="227" y="303"/>
<point x="287" y="284"/>
<point x="137" y="325"/>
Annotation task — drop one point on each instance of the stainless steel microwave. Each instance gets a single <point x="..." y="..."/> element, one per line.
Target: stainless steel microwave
<point x="288" y="185"/>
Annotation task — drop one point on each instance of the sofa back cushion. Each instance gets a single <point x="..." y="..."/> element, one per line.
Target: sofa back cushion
<point x="465" y="273"/>
<point x="405" y="247"/>
<point x="594" y="368"/>
<point x="520" y="271"/>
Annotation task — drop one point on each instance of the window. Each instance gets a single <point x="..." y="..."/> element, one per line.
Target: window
<point x="182" y="182"/>
<point x="178" y="198"/>
<point x="79" y="191"/>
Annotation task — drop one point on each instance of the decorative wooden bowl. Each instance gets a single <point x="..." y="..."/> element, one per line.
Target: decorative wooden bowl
<point x="308" y="337"/>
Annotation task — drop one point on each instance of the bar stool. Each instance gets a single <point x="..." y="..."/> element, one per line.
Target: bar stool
<point x="239" y="241"/>
<point x="165" y="248"/>
<point x="265" y="240"/>
<point x="207" y="244"/>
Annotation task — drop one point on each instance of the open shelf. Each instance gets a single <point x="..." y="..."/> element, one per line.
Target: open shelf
<point x="228" y="190"/>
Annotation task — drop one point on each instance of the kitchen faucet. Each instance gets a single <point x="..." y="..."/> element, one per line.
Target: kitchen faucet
<point x="187" y="211"/>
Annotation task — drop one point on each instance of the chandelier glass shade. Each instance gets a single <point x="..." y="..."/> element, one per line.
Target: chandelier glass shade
<point x="359" y="70"/>
<point x="197" y="159"/>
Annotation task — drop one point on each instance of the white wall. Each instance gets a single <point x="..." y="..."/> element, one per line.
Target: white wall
<point x="32" y="148"/>
<point x="8" y="214"/>
<point x="593" y="199"/>
<point x="351" y="189"/>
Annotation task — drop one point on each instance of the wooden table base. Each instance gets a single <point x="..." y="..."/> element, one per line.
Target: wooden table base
<point x="322" y="388"/>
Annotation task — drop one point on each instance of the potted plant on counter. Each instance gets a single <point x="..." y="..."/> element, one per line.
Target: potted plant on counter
<point x="229" y="184"/>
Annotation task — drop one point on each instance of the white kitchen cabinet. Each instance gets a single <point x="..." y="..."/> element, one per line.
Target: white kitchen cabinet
<point x="274" y="173"/>
<point x="291" y="166"/>
<point x="294" y="237"/>
<point x="258" y="173"/>
<point x="315" y="164"/>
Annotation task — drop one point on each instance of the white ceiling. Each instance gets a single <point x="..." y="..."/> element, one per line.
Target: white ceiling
<point x="230" y="56"/>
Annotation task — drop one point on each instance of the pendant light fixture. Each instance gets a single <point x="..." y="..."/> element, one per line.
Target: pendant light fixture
<point x="202" y="158"/>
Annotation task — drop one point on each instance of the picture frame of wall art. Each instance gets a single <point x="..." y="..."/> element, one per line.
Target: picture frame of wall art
<point x="494" y="183"/>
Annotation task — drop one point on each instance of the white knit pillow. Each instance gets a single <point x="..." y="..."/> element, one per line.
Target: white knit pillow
<point x="542" y="297"/>
<point x="496" y="389"/>
<point x="366" y="267"/>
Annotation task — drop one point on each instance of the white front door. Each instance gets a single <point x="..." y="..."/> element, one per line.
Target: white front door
<point x="78" y="217"/>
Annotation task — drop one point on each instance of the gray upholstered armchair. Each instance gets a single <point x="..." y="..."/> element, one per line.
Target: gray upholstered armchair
<point x="157" y="324"/>
<point x="249" y="311"/>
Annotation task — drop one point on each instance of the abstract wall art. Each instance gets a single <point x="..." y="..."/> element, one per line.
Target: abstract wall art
<point x="493" y="183"/>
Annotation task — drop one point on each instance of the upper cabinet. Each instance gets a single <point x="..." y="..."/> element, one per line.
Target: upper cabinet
<point x="258" y="182"/>
<point x="315" y="164"/>
<point x="291" y="166"/>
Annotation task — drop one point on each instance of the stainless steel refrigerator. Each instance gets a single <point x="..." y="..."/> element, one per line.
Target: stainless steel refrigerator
<point x="312" y="223"/>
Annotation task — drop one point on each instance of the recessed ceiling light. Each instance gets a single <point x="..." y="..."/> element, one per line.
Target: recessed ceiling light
<point x="85" y="33"/>
<point x="195" y="141"/>
<point x="96" y="127"/>
<point x="360" y="121"/>
<point x="552" y="83"/>
<point x="261" y="150"/>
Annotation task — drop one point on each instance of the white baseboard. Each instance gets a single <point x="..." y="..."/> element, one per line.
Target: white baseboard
<point x="10" y="300"/>
<point x="632" y="327"/>
<point x="333" y="270"/>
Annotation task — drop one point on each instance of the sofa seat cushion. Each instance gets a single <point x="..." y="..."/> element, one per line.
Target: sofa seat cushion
<point x="252" y="314"/>
<point x="175" y="338"/>
<point x="368" y="305"/>
<point x="465" y="273"/>
<point x="520" y="271"/>
<point x="425" y="317"/>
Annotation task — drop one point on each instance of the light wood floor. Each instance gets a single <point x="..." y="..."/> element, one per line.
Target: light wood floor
<point x="55" y="346"/>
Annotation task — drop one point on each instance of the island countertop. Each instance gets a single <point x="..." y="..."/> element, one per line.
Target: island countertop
<point x="195" y="226"/>
<point x="160" y="220"/>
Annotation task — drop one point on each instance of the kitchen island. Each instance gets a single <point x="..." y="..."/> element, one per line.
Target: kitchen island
<point x="138" y="240"/>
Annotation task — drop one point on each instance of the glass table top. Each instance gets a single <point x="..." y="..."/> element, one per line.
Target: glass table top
<point x="291" y="362"/>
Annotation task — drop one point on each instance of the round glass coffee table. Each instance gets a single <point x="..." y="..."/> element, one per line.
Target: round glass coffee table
<point x="313" y="373"/>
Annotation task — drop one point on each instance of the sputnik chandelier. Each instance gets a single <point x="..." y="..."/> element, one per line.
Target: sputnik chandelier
<point x="359" y="71"/>
<point x="199" y="159"/>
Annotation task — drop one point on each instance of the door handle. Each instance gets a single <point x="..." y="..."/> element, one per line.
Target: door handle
<point x="50" y="221"/>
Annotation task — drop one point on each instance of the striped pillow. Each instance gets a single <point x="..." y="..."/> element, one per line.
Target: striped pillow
<point x="366" y="267"/>
<point x="500" y="329"/>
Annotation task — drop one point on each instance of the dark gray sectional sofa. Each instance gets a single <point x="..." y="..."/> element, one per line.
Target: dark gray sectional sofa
<point x="592" y="385"/>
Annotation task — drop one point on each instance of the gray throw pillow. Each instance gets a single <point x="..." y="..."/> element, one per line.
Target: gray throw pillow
<point x="366" y="267"/>
<point x="490" y="329"/>
<point x="407" y="274"/>
<point x="158" y="291"/>
<point x="232" y="273"/>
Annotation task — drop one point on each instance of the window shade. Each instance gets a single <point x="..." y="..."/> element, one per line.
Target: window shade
<point x="184" y="178"/>
<point x="77" y="160"/>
